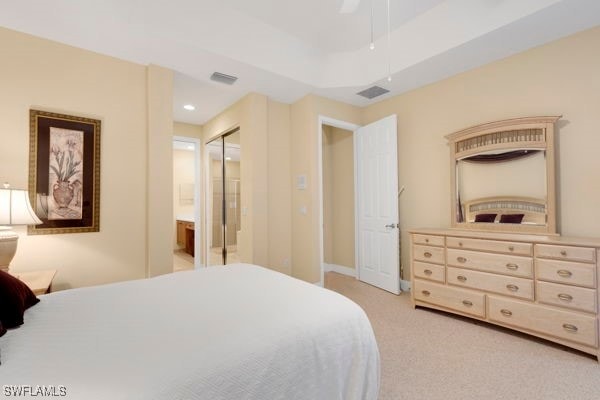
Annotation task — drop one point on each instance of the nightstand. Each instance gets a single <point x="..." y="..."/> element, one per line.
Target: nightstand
<point x="40" y="282"/>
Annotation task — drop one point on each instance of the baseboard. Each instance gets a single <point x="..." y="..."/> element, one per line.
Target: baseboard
<point x="405" y="285"/>
<point x="340" y="269"/>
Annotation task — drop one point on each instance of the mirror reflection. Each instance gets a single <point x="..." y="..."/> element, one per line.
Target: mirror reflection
<point x="502" y="187"/>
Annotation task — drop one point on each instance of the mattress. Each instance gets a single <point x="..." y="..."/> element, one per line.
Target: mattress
<point x="234" y="332"/>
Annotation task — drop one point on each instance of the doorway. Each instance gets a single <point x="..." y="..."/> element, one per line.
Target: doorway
<point x="224" y="196"/>
<point x="338" y="200"/>
<point x="187" y="241"/>
<point x="376" y="220"/>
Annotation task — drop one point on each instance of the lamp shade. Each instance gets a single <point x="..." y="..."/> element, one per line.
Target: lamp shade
<point x="15" y="208"/>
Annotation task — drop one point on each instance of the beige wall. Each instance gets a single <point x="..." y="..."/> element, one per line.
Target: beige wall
<point x="264" y="141"/>
<point x="280" y="187"/>
<point x="559" y="78"/>
<point x="159" y="212"/>
<point x="338" y="197"/>
<point x="187" y="130"/>
<point x="327" y="167"/>
<point x="37" y="73"/>
<point x="305" y="228"/>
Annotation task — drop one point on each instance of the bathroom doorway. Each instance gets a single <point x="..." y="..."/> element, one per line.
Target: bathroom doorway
<point x="187" y="243"/>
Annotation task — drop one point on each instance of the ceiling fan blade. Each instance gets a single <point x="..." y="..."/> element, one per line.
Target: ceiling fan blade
<point x="349" y="6"/>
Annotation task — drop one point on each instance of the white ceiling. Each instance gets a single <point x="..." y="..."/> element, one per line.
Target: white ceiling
<point x="289" y="48"/>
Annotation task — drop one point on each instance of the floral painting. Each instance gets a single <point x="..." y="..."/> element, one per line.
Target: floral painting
<point x="65" y="175"/>
<point x="64" y="172"/>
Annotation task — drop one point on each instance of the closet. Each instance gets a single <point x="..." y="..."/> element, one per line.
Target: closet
<point x="224" y="197"/>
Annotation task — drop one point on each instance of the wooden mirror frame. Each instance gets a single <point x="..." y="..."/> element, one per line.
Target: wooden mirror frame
<point x="536" y="133"/>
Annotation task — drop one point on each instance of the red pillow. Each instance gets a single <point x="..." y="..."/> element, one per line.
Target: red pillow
<point x="15" y="298"/>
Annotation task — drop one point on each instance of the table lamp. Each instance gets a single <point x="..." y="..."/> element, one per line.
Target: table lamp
<point x="15" y="209"/>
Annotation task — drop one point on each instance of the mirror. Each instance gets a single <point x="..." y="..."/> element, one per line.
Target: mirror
<point x="503" y="176"/>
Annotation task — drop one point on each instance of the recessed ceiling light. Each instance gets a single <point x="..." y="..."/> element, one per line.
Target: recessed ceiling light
<point x="189" y="107"/>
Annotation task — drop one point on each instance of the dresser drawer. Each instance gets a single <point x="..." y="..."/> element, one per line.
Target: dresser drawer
<point x="429" y="271"/>
<point x="506" y="285"/>
<point x="429" y="240"/>
<point x="429" y="254"/>
<point x="574" y="297"/>
<point x="571" y="253"/>
<point x="498" y="263"/>
<point x="462" y="300"/>
<point x="525" y="249"/>
<point x="561" y="324"/>
<point x="570" y="273"/>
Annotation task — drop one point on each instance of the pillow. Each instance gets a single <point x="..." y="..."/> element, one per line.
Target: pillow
<point x="485" y="217"/>
<point x="15" y="298"/>
<point x="511" y="218"/>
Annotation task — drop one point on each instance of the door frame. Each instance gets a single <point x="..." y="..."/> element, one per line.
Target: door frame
<point x="197" y="196"/>
<point x="336" y="123"/>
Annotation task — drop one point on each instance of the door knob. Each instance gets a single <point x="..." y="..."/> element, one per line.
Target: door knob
<point x="391" y="226"/>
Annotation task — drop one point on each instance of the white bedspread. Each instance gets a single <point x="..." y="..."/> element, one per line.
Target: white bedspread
<point x="235" y="332"/>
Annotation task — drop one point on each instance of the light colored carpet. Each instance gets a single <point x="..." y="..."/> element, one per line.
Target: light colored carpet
<point x="432" y="355"/>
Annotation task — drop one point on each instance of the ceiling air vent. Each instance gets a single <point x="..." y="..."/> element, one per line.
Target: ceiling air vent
<point x="223" y="78"/>
<point x="373" y="92"/>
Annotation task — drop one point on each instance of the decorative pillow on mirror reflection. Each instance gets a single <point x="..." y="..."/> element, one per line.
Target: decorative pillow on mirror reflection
<point x="485" y="217"/>
<point x="511" y="218"/>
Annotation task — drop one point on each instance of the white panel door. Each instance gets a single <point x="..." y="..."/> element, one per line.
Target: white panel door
<point x="377" y="194"/>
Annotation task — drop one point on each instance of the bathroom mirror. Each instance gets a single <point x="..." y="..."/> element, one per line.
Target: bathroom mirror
<point x="503" y="176"/>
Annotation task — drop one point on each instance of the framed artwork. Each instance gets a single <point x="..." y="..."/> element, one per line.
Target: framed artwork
<point x="64" y="173"/>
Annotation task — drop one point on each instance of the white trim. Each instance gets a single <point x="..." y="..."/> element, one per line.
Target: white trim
<point x="350" y="127"/>
<point x="340" y="269"/>
<point x="197" y="198"/>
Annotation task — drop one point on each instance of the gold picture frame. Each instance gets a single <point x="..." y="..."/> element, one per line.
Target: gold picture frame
<point x="64" y="173"/>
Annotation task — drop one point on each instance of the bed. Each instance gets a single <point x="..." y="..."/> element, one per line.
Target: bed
<point x="234" y="332"/>
<point x="532" y="211"/>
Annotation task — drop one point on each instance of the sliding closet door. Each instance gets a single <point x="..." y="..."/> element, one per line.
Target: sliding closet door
<point x="233" y="217"/>
<point x="224" y="198"/>
<point x="216" y="201"/>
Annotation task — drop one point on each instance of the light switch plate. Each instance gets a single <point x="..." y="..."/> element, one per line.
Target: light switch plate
<point x="301" y="182"/>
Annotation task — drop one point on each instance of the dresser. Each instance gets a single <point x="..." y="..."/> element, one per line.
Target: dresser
<point x="546" y="286"/>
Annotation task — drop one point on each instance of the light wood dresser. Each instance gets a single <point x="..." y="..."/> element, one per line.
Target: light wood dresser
<point x="546" y="286"/>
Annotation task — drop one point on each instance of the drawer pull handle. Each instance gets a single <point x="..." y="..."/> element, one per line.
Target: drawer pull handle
<point x="427" y="254"/>
<point x="426" y="292"/>
<point x="512" y="266"/>
<point x="426" y="240"/>
<point x="565" y="297"/>
<point x="427" y="272"/>
<point x="564" y="273"/>
<point x="570" y="328"/>
<point x="461" y="278"/>
<point x="563" y="253"/>
<point x="511" y="248"/>
<point x="467" y="303"/>
<point x="512" y="288"/>
<point x="460" y="244"/>
<point x="461" y="259"/>
<point x="506" y="313"/>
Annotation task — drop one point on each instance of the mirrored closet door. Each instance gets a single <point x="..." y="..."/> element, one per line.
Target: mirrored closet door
<point x="224" y="197"/>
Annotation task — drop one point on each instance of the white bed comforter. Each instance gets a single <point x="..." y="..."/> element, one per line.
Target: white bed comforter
<point x="235" y="332"/>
